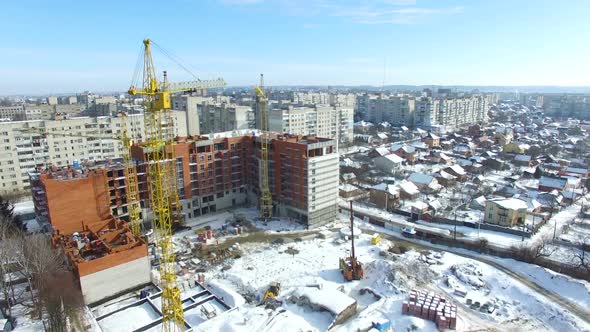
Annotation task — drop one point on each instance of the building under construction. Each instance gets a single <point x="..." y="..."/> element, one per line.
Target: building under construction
<point x="83" y="206"/>
<point x="214" y="172"/>
<point x="221" y="170"/>
<point x="86" y="203"/>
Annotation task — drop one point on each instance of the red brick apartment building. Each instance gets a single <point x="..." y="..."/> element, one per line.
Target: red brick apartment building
<point x="214" y="172"/>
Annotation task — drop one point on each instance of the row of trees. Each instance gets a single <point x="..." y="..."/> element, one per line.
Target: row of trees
<point x="51" y="292"/>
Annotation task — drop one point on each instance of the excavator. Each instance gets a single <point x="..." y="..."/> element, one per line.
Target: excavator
<point x="350" y="267"/>
<point x="273" y="291"/>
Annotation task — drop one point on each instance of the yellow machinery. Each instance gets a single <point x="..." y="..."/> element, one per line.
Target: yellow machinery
<point x="376" y="238"/>
<point x="265" y="195"/>
<point x="159" y="148"/>
<point x="273" y="291"/>
<point x="133" y="207"/>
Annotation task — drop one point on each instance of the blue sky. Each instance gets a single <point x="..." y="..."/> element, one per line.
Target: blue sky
<point x="68" y="46"/>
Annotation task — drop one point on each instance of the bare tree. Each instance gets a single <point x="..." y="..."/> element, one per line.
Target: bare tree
<point x="62" y="300"/>
<point x="36" y="260"/>
<point x="6" y="268"/>
<point x="532" y="253"/>
<point x="580" y="256"/>
<point x="542" y="249"/>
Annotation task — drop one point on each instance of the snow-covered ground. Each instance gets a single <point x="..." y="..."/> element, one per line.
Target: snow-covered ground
<point x="497" y="238"/>
<point x="315" y="263"/>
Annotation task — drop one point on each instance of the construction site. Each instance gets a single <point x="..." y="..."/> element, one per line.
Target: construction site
<point x="242" y="231"/>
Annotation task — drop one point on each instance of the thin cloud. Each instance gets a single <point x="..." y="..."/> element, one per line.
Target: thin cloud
<point x="310" y="25"/>
<point x="357" y="11"/>
<point x="411" y="15"/>
<point x="241" y="2"/>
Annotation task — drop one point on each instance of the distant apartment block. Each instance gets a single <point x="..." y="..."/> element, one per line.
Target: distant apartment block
<point x="564" y="106"/>
<point x="307" y="98"/>
<point x="437" y="114"/>
<point x="220" y="117"/>
<point x="193" y="107"/>
<point x="52" y="100"/>
<point x="12" y="113"/>
<point x="397" y="110"/>
<point x="27" y="145"/>
<point x="322" y="121"/>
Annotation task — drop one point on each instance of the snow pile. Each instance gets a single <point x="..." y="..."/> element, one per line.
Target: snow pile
<point x="469" y="273"/>
<point x="330" y="299"/>
<point x="226" y="294"/>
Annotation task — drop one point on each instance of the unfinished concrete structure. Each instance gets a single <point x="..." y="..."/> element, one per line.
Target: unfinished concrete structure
<point x="73" y="197"/>
<point x="107" y="259"/>
<point x="82" y="205"/>
<point x="130" y="314"/>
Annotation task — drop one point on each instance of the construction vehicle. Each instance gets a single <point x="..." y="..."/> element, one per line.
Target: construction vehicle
<point x="161" y="169"/>
<point x="272" y="292"/>
<point x="350" y="267"/>
<point x="265" y="194"/>
<point x="376" y="238"/>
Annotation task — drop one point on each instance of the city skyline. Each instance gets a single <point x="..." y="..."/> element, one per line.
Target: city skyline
<point x="63" y="47"/>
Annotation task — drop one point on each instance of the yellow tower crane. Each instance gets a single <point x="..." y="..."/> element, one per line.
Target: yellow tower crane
<point x="130" y="171"/>
<point x="265" y="194"/>
<point x="162" y="180"/>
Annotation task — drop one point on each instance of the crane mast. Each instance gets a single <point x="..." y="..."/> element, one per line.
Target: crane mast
<point x="162" y="184"/>
<point x="265" y="194"/>
<point x="162" y="179"/>
<point x="133" y="207"/>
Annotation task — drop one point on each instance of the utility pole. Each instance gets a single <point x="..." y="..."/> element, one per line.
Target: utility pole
<point x="455" y="233"/>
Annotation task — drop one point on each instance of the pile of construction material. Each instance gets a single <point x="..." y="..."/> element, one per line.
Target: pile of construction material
<point x="427" y="305"/>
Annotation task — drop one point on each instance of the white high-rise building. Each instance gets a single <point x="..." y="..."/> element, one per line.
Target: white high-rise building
<point x="448" y="114"/>
<point x="61" y="142"/>
<point x="321" y="121"/>
<point x="437" y="114"/>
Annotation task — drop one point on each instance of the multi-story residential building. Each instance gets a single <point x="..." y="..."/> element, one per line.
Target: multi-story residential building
<point x="14" y="113"/>
<point x="564" y="106"/>
<point x="311" y="98"/>
<point x="27" y="145"/>
<point x="221" y="170"/>
<point x="52" y="100"/>
<point x="342" y="99"/>
<point x="68" y="100"/>
<point x="397" y="110"/>
<point x="448" y="114"/>
<point x="193" y="107"/>
<point x="322" y="121"/>
<point x="439" y="114"/>
<point x="222" y="117"/>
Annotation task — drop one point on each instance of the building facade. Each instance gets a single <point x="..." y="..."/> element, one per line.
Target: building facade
<point x="437" y="114"/>
<point x="322" y="121"/>
<point x="27" y="145"/>
<point x="220" y="171"/>
<point x="12" y="113"/>
<point x="220" y="117"/>
<point x="508" y="212"/>
<point x="449" y="114"/>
